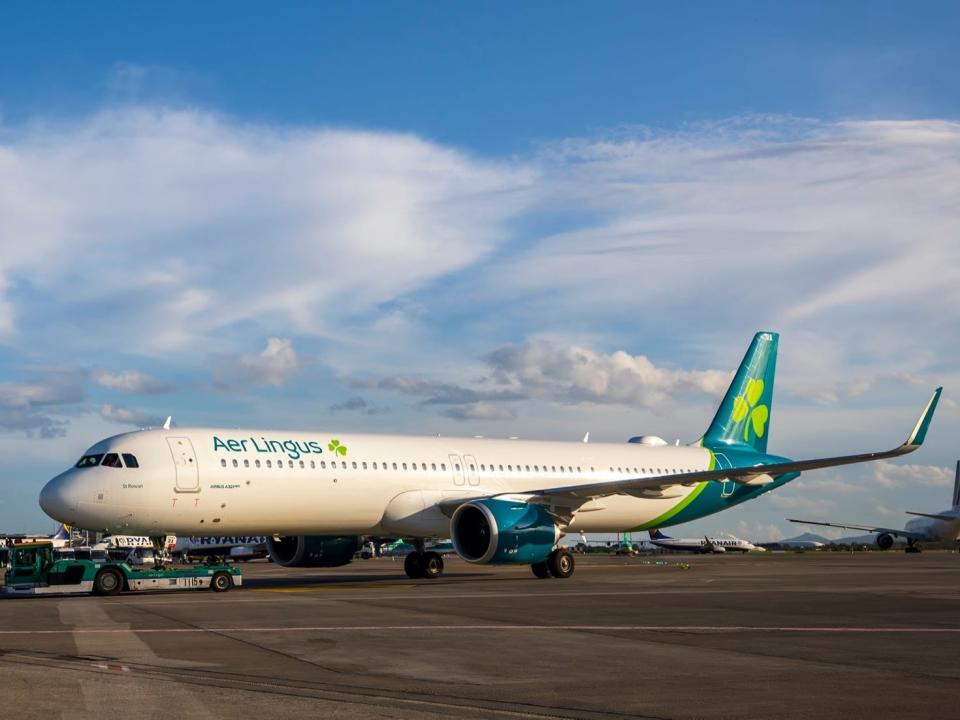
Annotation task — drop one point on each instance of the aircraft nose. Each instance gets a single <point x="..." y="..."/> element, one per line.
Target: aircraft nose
<point x="58" y="499"/>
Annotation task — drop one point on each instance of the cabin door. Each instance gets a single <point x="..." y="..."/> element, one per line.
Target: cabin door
<point x="185" y="462"/>
<point x="456" y="466"/>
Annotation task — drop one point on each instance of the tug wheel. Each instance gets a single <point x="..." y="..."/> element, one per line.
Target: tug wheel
<point x="107" y="582"/>
<point x="221" y="582"/>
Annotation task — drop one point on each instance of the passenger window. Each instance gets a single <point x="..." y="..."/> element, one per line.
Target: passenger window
<point x="290" y="463"/>
<point x="443" y="466"/>
<point x="269" y="464"/>
<point x="235" y="463"/>
<point x="323" y="464"/>
<point x="112" y="460"/>
<point x="472" y="468"/>
<point x="561" y="468"/>
<point x="363" y="465"/>
<point x="354" y="464"/>
<point x="578" y="469"/>
<point x="553" y="468"/>
<point x="394" y="466"/>
<point x="302" y="464"/>
<point x="433" y="466"/>
<point x="527" y="468"/>
<point x="223" y="462"/>
<point x="257" y="462"/>
<point x="457" y="466"/>
<point x="413" y="466"/>
<point x="130" y="460"/>
<point x="246" y="463"/>
<point x="501" y="468"/>
<point x="374" y="466"/>
<point x="313" y="465"/>
<point x="405" y="466"/>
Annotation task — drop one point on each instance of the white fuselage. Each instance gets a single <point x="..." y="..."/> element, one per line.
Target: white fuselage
<point x="204" y="481"/>
<point x="699" y="544"/>
<point x="935" y="529"/>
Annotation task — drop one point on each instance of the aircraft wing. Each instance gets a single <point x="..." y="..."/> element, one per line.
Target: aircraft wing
<point x="760" y="474"/>
<point x="935" y="516"/>
<point x="865" y="528"/>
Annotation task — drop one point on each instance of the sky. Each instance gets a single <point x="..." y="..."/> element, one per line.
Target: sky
<point x="496" y="219"/>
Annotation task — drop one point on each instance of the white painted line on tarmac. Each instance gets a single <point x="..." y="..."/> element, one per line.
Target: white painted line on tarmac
<point x="510" y="628"/>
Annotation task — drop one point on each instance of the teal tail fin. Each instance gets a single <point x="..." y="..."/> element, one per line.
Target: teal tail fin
<point x="743" y="419"/>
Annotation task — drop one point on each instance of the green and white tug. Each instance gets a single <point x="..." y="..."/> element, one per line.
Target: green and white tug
<point x="33" y="570"/>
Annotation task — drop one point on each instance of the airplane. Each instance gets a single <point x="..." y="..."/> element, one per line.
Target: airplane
<point x="927" y="527"/>
<point x="237" y="547"/>
<point x="60" y="538"/>
<point x="704" y="545"/>
<point x="314" y="495"/>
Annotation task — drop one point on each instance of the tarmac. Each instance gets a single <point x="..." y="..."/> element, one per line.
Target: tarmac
<point x="811" y="635"/>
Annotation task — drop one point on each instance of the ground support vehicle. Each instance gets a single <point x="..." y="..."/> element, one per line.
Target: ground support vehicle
<point x="34" y="570"/>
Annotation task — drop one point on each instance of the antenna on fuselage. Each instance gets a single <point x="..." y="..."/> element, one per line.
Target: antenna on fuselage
<point x="166" y="423"/>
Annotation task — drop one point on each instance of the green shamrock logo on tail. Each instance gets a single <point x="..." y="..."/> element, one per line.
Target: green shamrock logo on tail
<point x="746" y="404"/>
<point x="336" y="448"/>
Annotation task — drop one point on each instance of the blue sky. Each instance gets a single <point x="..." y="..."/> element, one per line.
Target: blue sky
<point x="499" y="219"/>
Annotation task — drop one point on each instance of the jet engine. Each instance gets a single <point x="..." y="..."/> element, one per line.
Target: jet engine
<point x="884" y="541"/>
<point x="313" y="550"/>
<point x="503" y="531"/>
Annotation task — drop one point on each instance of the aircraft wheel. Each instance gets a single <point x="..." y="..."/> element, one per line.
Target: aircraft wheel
<point x="541" y="570"/>
<point x="431" y="565"/>
<point x="413" y="566"/>
<point x="108" y="582"/>
<point x="560" y="563"/>
<point x="221" y="582"/>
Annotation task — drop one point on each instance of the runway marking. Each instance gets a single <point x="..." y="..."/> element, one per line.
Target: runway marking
<point x="511" y="628"/>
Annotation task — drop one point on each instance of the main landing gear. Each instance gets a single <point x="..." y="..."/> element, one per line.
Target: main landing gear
<point x="421" y="565"/>
<point x="912" y="546"/>
<point x="559" y="564"/>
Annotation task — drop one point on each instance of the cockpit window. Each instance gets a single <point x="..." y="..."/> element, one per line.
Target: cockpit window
<point x="130" y="460"/>
<point x="89" y="460"/>
<point x="112" y="460"/>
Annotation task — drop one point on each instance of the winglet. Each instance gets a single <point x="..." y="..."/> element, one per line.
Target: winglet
<point x="920" y="430"/>
<point x="166" y="423"/>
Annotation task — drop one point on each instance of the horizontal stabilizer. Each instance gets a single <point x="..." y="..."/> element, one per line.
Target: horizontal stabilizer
<point x="751" y="475"/>
<point x="935" y="516"/>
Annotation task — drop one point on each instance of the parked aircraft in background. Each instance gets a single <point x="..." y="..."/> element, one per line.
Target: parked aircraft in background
<point x="236" y="547"/>
<point x="314" y="495"/>
<point x="59" y="539"/>
<point x="702" y="545"/>
<point x="928" y="527"/>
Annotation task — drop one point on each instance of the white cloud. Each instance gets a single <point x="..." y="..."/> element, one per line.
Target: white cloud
<point x="126" y="416"/>
<point x="130" y="381"/>
<point x="480" y="411"/>
<point x="38" y="407"/>
<point x="574" y="374"/>
<point x="167" y="226"/>
<point x="900" y="475"/>
<point x="274" y="366"/>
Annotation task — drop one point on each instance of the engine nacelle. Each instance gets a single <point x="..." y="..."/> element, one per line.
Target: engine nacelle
<point x="884" y="541"/>
<point x="503" y="531"/>
<point x="313" y="550"/>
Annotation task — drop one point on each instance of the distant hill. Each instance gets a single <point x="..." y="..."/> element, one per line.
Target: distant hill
<point x="807" y="537"/>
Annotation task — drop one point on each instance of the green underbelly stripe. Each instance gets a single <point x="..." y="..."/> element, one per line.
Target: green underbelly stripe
<point x="657" y="521"/>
